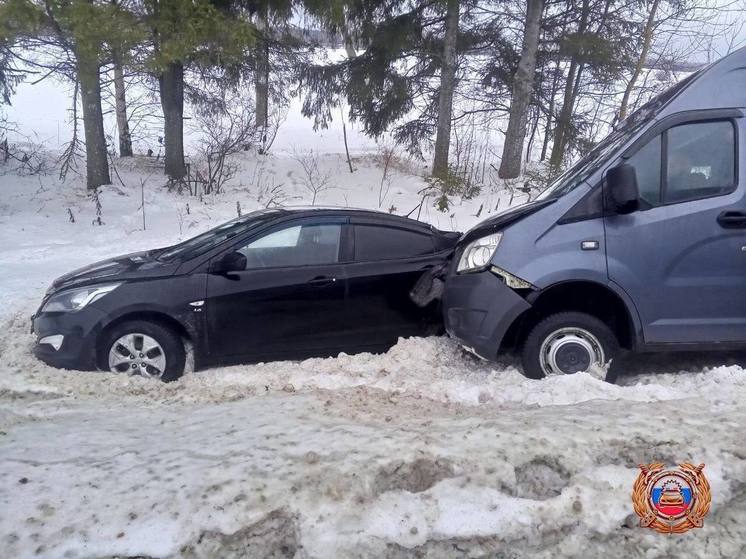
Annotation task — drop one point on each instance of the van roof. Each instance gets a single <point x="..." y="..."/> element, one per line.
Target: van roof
<point x="720" y="85"/>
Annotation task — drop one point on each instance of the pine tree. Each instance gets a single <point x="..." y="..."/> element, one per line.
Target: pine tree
<point x="10" y="75"/>
<point x="81" y="31"/>
<point x="181" y="33"/>
<point x="392" y="84"/>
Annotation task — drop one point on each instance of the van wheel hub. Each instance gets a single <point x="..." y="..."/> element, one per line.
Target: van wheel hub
<point x="570" y="350"/>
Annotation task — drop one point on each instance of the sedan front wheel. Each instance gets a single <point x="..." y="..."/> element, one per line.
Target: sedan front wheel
<point x="143" y="348"/>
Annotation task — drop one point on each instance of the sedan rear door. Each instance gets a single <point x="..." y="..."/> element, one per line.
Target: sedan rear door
<point x="388" y="259"/>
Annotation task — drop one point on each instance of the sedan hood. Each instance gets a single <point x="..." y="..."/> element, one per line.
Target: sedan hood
<point x="502" y="220"/>
<point x="127" y="267"/>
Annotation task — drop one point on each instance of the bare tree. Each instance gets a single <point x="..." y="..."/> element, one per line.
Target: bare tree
<point x="223" y="134"/>
<point x="387" y="156"/>
<point x="315" y="179"/>
<point x="647" y="38"/>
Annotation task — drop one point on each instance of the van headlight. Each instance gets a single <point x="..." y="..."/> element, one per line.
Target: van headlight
<point x="71" y="300"/>
<point x="478" y="253"/>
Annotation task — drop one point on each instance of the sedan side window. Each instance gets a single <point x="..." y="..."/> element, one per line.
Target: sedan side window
<point x="301" y="245"/>
<point x="374" y="242"/>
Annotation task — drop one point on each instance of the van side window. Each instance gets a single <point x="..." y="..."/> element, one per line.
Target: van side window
<point x="701" y="160"/>
<point x="698" y="161"/>
<point x="647" y="164"/>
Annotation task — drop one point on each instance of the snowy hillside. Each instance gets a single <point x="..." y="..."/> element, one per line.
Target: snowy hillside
<point x="423" y="451"/>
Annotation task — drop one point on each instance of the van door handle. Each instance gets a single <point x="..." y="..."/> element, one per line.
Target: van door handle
<point x="321" y="281"/>
<point x="732" y="219"/>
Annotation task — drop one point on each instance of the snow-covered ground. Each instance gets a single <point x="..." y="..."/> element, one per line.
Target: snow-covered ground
<point x="423" y="451"/>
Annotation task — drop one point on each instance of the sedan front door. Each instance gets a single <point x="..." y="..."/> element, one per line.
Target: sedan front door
<point x="288" y="302"/>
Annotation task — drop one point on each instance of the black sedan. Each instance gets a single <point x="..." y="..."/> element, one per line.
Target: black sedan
<point x="273" y="284"/>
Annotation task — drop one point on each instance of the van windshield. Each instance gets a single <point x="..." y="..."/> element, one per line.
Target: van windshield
<point x="578" y="173"/>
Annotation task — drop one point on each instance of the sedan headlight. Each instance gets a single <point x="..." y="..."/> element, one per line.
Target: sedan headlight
<point x="71" y="300"/>
<point x="478" y="253"/>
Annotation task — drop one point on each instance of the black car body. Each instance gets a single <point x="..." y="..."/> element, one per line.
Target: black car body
<point x="279" y="283"/>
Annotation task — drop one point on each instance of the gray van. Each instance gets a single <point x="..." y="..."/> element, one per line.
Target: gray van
<point x="640" y="246"/>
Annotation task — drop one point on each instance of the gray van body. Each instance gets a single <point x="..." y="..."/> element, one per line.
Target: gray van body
<point x="667" y="277"/>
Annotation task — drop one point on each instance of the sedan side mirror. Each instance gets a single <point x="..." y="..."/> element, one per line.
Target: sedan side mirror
<point x="231" y="262"/>
<point x="623" y="191"/>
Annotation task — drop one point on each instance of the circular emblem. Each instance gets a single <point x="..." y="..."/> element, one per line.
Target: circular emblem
<point x="671" y="501"/>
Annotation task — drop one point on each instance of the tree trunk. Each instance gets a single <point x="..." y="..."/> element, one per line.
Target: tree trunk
<point x="347" y="38"/>
<point x="171" y="84"/>
<point x="97" y="163"/>
<point x="532" y="135"/>
<point x="647" y="37"/>
<point x="123" y="127"/>
<point x="261" y="87"/>
<point x="550" y="113"/>
<point x="447" y="86"/>
<point x="523" y="84"/>
<point x="564" y="120"/>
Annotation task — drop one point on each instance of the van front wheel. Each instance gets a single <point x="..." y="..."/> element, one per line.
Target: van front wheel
<point x="567" y="343"/>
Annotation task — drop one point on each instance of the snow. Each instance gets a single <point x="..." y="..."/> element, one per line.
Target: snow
<point x="422" y="451"/>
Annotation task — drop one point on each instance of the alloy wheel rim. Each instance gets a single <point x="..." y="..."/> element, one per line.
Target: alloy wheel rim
<point x="137" y="354"/>
<point x="570" y="350"/>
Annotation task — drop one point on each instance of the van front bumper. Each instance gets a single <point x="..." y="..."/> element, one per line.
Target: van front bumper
<point x="478" y="309"/>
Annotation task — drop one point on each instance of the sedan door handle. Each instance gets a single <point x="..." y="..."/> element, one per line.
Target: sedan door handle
<point x="732" y="219"/>
<point x="321" y="281"/>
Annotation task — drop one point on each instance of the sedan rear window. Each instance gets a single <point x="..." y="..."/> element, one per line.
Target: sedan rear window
<point x="387" y="243"/>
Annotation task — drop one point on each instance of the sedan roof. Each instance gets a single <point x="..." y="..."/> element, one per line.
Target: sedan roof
<point x="384" y="217"/>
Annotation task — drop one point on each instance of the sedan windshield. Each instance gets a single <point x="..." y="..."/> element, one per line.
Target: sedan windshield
<point x="212" y="238"/>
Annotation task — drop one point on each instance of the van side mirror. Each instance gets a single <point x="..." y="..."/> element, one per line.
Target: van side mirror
<point x="623" y="191"/>
<point x="231" y="262"/>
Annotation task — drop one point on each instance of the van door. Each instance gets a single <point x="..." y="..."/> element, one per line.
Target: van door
<point x="682" y="256"/>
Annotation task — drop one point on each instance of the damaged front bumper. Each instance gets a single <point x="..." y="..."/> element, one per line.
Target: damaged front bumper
<point x="478" y="310"/>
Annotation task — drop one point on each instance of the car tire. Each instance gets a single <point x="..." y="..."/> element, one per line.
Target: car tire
<point x="566" y="341"/>
<point x="127" y="336"/>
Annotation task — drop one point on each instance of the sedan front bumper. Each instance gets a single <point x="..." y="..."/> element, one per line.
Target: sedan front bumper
<point x="478" y="309"/>
<point x="78" y="330"/>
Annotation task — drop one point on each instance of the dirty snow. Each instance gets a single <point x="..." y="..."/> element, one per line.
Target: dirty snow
<point x="422" y="451"/>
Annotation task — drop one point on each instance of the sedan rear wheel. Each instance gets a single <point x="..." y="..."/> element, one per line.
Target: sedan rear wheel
<point x="567" y="343"/>
<point x="145" y="349"/>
